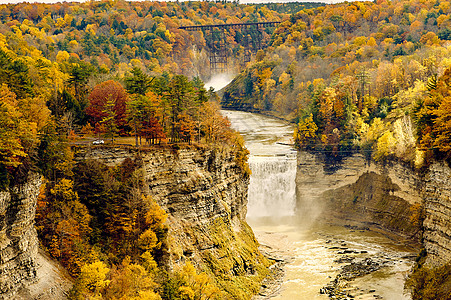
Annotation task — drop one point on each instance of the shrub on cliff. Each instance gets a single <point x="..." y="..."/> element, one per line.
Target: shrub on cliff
<point x="430" y="283"/>
<point x="241" y="155"/>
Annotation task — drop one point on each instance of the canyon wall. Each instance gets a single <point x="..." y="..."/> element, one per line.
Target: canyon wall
<point x="437" y="220"/>
<point x="204" y="192"/>
<point x="391" y="198"/>
<point x="18" y="237"/>
<point x="26" y="272"/>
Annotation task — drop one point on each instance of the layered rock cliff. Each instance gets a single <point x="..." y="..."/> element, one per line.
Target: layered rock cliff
<point x="25" y="271"/>
<point x="437" y="220"/>
<point x="384" y="197"/>
<point x="18" y="237"/>
<point x="392" y="198"/>
<point x="204" y="192"/>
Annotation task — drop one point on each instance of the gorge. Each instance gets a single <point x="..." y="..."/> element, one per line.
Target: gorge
<point x="387" y="210"/>
<point x="205" y="194"/>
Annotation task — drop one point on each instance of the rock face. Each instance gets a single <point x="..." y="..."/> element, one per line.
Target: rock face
<point x="204" y="193"/>
<point x="437" y="221"/>
<point x="25" y="272"/>
<point x="392" y="198"/>
<point x="18" y="237"/>
<point x="383" y="197"/>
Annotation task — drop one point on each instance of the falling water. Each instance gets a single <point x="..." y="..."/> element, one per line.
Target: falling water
<point x="311" y="252"/>
<point x="272" y="188"/>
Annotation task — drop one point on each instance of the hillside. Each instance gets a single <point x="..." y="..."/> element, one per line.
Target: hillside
<point x="368" y="80"/>
<point x="105" y="100"/>
<point x="107" y="72"/>
<point x="115" y="36"/>
<point x="355" y="76"/>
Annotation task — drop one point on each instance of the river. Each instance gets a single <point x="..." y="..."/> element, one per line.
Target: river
<point x="314" y="254"/>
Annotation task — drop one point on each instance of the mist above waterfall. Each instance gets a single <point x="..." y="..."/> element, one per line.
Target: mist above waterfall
<point x="219" y="81"/>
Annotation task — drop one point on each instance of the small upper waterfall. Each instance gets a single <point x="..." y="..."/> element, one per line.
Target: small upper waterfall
<point x="272" y="188"/>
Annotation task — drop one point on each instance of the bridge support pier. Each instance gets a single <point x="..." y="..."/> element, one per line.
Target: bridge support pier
<point x="216" y="41"/>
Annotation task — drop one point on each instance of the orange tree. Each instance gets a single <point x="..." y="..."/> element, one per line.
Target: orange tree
<point x="108" y="93"/>
<point x="433" y="116"/>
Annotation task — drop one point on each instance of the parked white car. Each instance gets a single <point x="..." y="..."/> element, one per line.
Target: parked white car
<point x="98" y="142"/>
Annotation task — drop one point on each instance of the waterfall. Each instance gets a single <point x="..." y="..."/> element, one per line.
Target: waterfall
<point x="272" y="187"/>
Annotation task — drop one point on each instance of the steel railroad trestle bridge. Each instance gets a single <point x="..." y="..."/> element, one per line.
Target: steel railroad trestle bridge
<point x="258" y="25"/>
<point x="215" y="38"/>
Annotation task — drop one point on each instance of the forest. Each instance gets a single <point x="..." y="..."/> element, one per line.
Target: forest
<point x="115" y="36"/>
<point x="120" y="72"/>
<point x="94" y="219"/>
<point x="369" y="77"/>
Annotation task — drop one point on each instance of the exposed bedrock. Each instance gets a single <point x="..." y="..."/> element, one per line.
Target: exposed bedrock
<point x="18" y="237"/>
<point x="393" y="198"/>
<point x="437" y="220"/>
<point x="204" y="192"/>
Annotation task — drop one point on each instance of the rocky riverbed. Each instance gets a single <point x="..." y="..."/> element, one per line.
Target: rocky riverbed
<point x="333" y="263"/>
<point x="356" y="262"/>
<point x="275" y="247"/>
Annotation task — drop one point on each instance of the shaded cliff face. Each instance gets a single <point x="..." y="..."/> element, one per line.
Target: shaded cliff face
<point x="204" y="193"/>
<point x="392" y="198"/>
<point x="383" y="198"/>
<point x="371" y="201"/>
<point x="18" y="237"/>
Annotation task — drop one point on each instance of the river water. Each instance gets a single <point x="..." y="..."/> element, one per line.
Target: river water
<point x="314" y="255"/>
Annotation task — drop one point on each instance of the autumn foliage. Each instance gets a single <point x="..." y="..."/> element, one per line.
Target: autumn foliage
<point x="360" y="77"/>
<point x="352" y="76"/>
<point x="433" y="115"/>
<point x="108" y="93"/>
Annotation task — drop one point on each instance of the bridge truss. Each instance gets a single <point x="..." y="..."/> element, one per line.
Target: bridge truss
<point x="215" y="36"/>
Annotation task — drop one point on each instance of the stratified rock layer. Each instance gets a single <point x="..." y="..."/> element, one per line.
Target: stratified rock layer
<point x="437" y="222"/>
<point x="18" y="237"/>
<point x="204" y="192"/>
<point x="392" y="198"/>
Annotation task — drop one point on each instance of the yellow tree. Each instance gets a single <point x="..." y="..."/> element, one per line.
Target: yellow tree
<point x="431" y="109"/>
<point x="186" y="126"/>
<point x="154" y="219"/>
<point x="132" y="281"/>
<point x="442" y="115"/>
<point x="385" y="147"/>
<point x="197" y="286"/>
<point x="305" y="133"/>
<point x="215" y="126"/>
<point x="93" y="278"/>
<point x="16" y="133"/>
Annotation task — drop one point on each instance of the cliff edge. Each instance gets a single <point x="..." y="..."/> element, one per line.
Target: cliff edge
<point x="18" y="237"/>
<point x="204" y="192"/>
